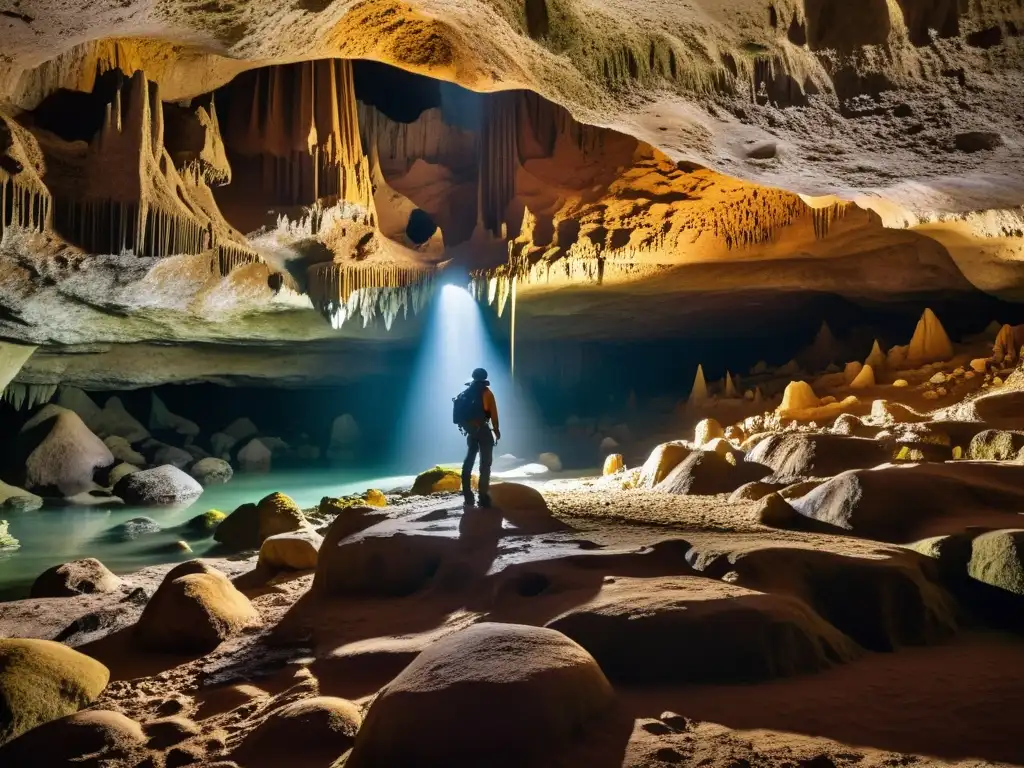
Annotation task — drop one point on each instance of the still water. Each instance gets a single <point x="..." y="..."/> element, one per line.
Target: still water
<point x="54" y="535"/>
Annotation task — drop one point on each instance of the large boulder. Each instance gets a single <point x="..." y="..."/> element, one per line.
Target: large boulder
<point x="135" y="528"/>
<point x="907" y="503"/>
<point x="93" y="737"/>
<point x="525" y="508"/>
<point x="211" y="471"/>
<point x="12" y="497"/>
<point x="705" y="473"/>
<point x="79" y="577"/>
<point x="997" y="558"/>
<point x="997" y="445"/>
<point x="114" y="419"/>
<point x="697" y="630"/>
<point x="255" y="457"/>
<point x="56" y="453"/>
<point x="193" y="610"/>
<point x="161" y="418"/>
<point x="492" y="694"/>
<point x="160" y="486"/>
<point x="249" y="525"/>
<point x="295" y="551"/>
<point x="794" y="455"/>
<point x="313" y="731"/>
<point x="76" y="400"/>
<point x="240" y="429"/>
<point x="161" y="453"/>
<point x="706" y="431"/>
<point x="41" y="681"/>
<point x="123" y="451"/>
<point x="662" y="460"/>
<point x="437" y="480"/>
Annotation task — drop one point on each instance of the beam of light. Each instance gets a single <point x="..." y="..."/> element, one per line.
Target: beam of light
<point x="456" y="340"/>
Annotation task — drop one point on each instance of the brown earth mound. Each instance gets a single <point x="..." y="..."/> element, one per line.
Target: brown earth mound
<point x="797" y="456"/>
<point x="79" y="577"/>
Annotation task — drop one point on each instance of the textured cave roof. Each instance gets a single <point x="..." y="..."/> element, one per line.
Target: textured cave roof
<point x="912" y="101"/>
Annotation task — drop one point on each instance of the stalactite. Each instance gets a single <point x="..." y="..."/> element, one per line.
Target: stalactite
<point x="825" y="217"/>
<point x="548" y="121"/>
<point x="341" y="292"/>
<point x="23" y="206"/>
<point x="428" y="138"/>
<point x="28" y="396"/>
<point x="302" y="123"/>
<point x="499" y="158"/>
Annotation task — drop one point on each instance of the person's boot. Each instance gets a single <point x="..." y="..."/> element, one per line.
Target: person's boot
<point x="468" y="501"/>
<point x="485" y="502"/>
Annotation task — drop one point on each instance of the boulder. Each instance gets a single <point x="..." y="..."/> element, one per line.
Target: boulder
<point x="221" y="444"/>
<point x="551" y="461"/>
<point x="313" y="731"/>
<point x="689" y="629"/>
<point x="705" y="473"/>
<point x="929" y="343"/>
<point x="79" y="577"/>
<point x="56" y="452"/>
<point x="78" y="401"/>
<point x="168" y="731"/>
<point x="296" y="551"/>
<point x="797" y="397"/>
<point x="240" y="529"/>
<point x="525" y="508"/>
<point x="437" y="480"/>
<point x="793" y="456"/>
<point x="93" y="737"/>
<point x="122" y="450"/>
<point x="211" y="472"/>
<point x="240" y="429"/>
<point x="40" y="681"/>
<point x="194" y="609"/>
<point x="706" y="431"/>
<point x="160" y="486"/>
<point x="114" y="419"/>
<point x="133" y="529"/>
<point x="997" y="558"/>
<point x="206" y="523"/>
<point x="661" y="462"/>
<point x="775" y="512"/>
<point x="161" y="453"/>
<point x="752" y="491"/>
<point x="886" y="412"/>
<point x="18" y="499"/>
<point x="492" y="694"/>
<point x="7" y="542"/>
<point x="255" y="457"/>
<point x="249" y="525"/>
<point x="997" y="445"/>
<point x="613" y="463"/>
<point x="161" y="418"/>
<point x="906" y="503"/>
<point x="118" y="471"/>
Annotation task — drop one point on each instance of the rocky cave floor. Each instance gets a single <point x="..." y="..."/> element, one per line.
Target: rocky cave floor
<point x="781" y="592"/>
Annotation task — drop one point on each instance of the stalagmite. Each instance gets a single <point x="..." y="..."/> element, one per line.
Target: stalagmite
<point x="699" y="390"/>
<point x="929" y="343"/>
<point x="797" y="397"/>
<point x="864" y="379"/>
<point x="876" y="358"/>
<point x="730" y="386"/>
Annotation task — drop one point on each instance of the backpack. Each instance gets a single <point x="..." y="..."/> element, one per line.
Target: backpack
<point x="467" y="407"/>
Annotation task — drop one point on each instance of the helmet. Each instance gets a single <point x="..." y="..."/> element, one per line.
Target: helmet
<point x="479" y="375"/>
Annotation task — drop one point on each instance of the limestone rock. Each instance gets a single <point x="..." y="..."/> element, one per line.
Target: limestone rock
<point x="662" y="460"/>
<point x="794" y="456"/>
<point x="887" y="412"/>
<point x="705" y="473"/>
<point x="133" y="529"/>
<point x="696" y="630"/>
<point x="114" y="419"/>
<point x="119" y="471"/>
<point x="797" y="397"/>
<point x="901" y="383"/>
<point x="470" y="697"/>
<point x="296" y="550"/>
<point x="979" y="364"/>
<point x="41" y="681"/>
<point x="997" y="558"/>
<point x="524" y="507"/>
<point x="211" y="471"/>
<point x="161" y="453"/>
<point x="221" y="444"/>
<point x="938" y="378"/>
<point x="194" y="609"/>
<point x="864" y="379"/>
<point x="78" y="401"/>
<point x="730" y="386"/>
<point x="7" y="542"/>
<point x="255" y="457"/>
<point x="240" y="429"/>
<point x="161" y="418"/>
<point x="313" y="731"/>
<point x="96" y="737"/>
<point x="240" y="529"/>
<point x="929" y="343"/>
<point x="896" y="357"/>
<point x="437" y="480"/>
<point x="752" y="491"/>
<point x="55" y="451"/>
<point x="876" y="358"/>
<point x="997" y="445"/>
<point x="551" y="461"/>
<point x="168" y="731"/>
<point x="279" y="513"/>
<point x="206" y="523"/>
<point x="852" y="371"/>
<point x="706" y="431"/>
<point x="78" y="577"/>
<point x="123" y="451"/>
<point x="775" y="512"/>
<point x="161" y="486"/>
<point x="613" y="463"/>
<point x="18" y="499"/>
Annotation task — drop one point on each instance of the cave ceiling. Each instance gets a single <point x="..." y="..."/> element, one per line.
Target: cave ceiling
<point x="221" y="176"/>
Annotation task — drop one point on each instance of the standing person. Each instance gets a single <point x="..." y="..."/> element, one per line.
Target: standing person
<point x="475" y="413"/>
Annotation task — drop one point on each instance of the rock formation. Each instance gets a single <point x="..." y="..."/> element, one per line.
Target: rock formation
<point x="929" y="342"/>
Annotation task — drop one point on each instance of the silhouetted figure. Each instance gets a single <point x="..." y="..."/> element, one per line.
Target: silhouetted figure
<point x="476" y="412"/>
